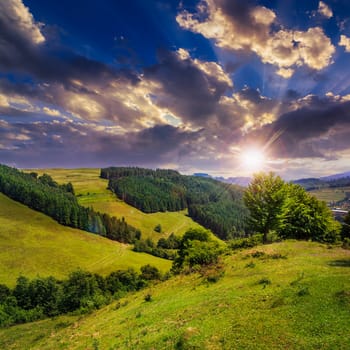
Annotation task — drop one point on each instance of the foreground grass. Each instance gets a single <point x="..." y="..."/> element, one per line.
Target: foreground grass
<point x="304" y="303"/>
<point x="33" y="244"/>
<point x="91" y="190"/>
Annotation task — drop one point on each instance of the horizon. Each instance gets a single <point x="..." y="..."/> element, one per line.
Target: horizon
<point x="194" y="86"/>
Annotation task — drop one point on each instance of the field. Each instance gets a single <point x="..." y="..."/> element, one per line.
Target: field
<point x="299" y="301"/>
<point x="91" y="190"/>
<point x="331" y="195"/>
<point x="33" y="244"/>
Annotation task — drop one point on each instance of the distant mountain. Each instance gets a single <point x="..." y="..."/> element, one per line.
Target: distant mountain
<point x="240" y="180"/>
<point x="336" y="180"/>
<point x="336" y="176"/>
<point x="310" y="183"/>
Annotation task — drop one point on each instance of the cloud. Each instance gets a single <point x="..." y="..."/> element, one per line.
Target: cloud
<point x="324" y="10"/>
<point x="245" y="27"/>
<point x="315" y="128"/>
<point x="40" y="144"/>
<point x="16" y="17"/>
<point x="345" y="41"/>
<point x="190" y="89"/>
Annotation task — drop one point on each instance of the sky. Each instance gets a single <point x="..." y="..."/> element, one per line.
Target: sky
<point x="184" y="84"/>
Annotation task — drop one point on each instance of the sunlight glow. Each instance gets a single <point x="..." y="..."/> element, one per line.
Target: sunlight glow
<point x="253" y="159"/>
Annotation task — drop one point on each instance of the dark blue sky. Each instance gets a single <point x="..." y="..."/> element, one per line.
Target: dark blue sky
<point x="189" y="85"/>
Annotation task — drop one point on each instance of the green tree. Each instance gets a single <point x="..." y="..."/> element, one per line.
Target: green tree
<point x="149" y="272"/>
<point x="308" y="218"/>
<point x="289" y="210"/>
<point x="265" y="199"/>
<point x="196" y="248"/>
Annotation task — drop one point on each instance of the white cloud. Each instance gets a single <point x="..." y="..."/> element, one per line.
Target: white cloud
<point x="211" y="69"/>
<point x="16" y="15"/>
<point x="286" y="49"/>
<point x="324" y="10"/>
<point x="345" y="41"/>
<point x="51" y="111"/>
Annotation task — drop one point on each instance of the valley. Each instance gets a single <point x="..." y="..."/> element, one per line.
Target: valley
<point x="91" y="190"/>
<point x="32" y="244"/>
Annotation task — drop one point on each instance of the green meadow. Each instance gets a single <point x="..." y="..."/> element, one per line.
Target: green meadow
<point x="330" y="194"/>
<point x="91" y="190"/>
<point x="295" y="296"/>
<point x="33" y="244"/>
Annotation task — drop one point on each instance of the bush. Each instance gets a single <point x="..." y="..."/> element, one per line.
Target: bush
<point x="196" y="248"/>
<point x="148" y="297"/>
<point x="265" y="281"/>
<point x="149" y="273"/>
<point x="244" y="243"/>
<point x="346" y="243"/>
<point x="158" y="228"/>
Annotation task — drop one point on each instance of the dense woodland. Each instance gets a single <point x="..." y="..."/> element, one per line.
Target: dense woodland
<point x="213" y="204"/>
<point x="81" y="292"/>
<point x="58" y="201"/>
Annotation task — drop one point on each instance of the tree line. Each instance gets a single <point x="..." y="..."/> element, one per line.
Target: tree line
<point x="58" y="201"/>
<point x="213" y="204"/>
<point x="81" y="292"/>
<point x="165" y="247"/>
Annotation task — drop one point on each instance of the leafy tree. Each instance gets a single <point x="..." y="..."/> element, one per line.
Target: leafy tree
<point x="265" y="199"/>
<point x="21" y="293"/>
<point x="172" y="242"/>
<point x="307" y="218"/>
<point x="196" y="248"/>
<point x="288" y="210"/>
<point x="149" y="272"/>
<point x="5" y="292"/>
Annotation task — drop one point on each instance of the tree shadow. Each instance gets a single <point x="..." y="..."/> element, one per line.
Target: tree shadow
<point x="340" y="263"/>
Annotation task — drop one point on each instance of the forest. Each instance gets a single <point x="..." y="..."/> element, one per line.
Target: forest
<point x="58" y="201"/>
<point x="213" y="204"/>
<point x="81" y="292"/>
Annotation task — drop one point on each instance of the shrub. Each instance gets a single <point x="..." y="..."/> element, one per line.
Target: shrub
<point x="148" y="297"/>
<point x="158" y="228"/>
<point x="149" y="273"/>
<point x="265" y="281"/>
<point x="346" y="243"/>
<point x="244" y="243"/>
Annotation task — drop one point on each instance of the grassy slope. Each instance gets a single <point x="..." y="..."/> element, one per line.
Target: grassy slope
<point x="33" y="244"/>
<point x="330" y="195"/>
<point x="92" y="191"/>
<point x="306" y="306"/>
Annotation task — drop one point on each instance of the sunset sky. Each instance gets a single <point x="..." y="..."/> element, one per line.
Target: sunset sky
<point x="187" y="85"/>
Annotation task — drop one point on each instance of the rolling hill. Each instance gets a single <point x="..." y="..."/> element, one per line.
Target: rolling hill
<point x="91" y="190"/>
<point x="33" y="244"/>
<point x="290" y="295"/>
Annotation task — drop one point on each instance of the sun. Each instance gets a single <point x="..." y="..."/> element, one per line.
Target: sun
<point x="253" y="159"/>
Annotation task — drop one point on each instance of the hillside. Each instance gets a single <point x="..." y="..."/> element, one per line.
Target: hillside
<point x="91" y="190"/>
<point x="33" y="244"/>
<point x="215" y="205"/>
<point x="298" y="298"/>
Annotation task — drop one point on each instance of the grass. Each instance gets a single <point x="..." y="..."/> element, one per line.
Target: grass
<point x="91" y="190"/>
<point x="330" y="195"/>
<point x="33" y="244"/>
<point x="305" y="305"/>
